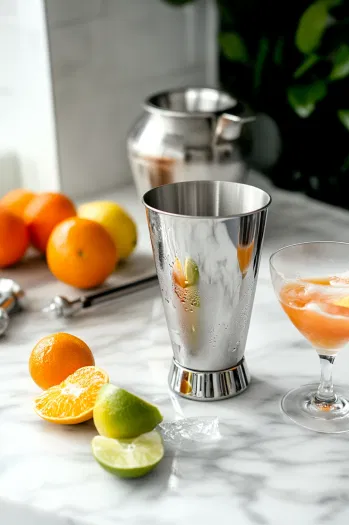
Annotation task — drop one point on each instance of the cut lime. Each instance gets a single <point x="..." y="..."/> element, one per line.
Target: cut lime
<point x="191" y="271"/>
<point x="121" y="415"/>
<point x="129" y="458"/>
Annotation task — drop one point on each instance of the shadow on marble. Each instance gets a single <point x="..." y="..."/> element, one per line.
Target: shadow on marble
<point x="78" y="437"/>
<point x="158" y="478"/>
<point x="263" y="390"/>
<point x="30" y="271"/>
<point x="11" y="514"/>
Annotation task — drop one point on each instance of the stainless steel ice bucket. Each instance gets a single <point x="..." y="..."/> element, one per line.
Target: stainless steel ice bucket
<point x="190" y="134"/>
<point x="207" y="239"/>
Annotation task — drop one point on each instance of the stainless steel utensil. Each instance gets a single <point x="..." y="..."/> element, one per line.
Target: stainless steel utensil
<point x="62" y="307"/>
<point x="11" y="301"/>
<point x="207" y="239"/>
<point x="190" y="134"/>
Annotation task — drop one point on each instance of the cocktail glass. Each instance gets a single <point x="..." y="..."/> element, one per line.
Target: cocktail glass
<point x="311" y="281"/>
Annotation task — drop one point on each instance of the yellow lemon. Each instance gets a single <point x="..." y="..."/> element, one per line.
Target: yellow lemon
<point x="116" y="221"/>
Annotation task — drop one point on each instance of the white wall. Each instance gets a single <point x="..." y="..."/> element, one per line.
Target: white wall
<point x="27" y="130"/>
<point x="105" y="57"/>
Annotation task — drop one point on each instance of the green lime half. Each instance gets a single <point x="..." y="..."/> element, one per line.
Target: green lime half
<point x="129" y="458"/>
<point x="121" y="415"/>
<point x="191" y="272"/>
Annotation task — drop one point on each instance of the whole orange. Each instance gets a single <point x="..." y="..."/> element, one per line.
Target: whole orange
<point x="43" y="213"/>
<point x="17" y="200"/>
<point x="14" y="238"/>
<point x="81" y="253"/>
<point x="57" y="356"/>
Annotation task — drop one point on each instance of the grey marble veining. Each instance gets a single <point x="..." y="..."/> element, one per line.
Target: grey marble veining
<point x="263" y="470"/>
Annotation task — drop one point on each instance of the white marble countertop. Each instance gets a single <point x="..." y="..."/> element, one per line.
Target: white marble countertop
<point x="264" y="471"/>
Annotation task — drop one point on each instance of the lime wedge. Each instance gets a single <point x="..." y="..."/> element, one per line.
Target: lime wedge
<point x="191" y="271"/>
<point x="129" y="458"/>
<point x="119" y="414"/>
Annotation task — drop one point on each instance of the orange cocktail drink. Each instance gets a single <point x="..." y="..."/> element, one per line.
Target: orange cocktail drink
<point x="311" y="281"/>
<point x="319" y="308"/>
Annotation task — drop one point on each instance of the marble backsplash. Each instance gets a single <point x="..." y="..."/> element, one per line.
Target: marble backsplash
<point x="88" y="65"/>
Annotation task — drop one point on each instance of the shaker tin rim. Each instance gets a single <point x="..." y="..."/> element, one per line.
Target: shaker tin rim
<point x="212" y="217"/>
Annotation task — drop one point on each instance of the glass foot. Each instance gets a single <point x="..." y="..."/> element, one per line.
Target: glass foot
<point x="302" y="407"/>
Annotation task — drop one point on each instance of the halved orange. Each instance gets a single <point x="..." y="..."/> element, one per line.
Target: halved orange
<point x="72" y="401"/>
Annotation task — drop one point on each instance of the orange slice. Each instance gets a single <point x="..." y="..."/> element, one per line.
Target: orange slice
<point x="72" y="401"/>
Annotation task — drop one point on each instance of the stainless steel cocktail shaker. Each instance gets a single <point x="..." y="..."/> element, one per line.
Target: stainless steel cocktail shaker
<point x="207" y="238"/>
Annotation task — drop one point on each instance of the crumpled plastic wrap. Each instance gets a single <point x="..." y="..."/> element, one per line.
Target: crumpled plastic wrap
<point x="189" y="433"/>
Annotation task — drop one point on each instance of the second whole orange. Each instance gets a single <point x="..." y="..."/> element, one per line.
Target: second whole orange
<point x="57" y="356"/>
<point x="43" y="213"/>
<point x="14" y="238"/>
<point x="81" y="253"/>
<point x="17" y="200"/>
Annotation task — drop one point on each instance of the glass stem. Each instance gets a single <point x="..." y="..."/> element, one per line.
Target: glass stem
<point x="325" y="393"/>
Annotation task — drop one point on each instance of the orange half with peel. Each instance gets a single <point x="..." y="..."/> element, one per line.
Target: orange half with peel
<point x="72" y="401"/>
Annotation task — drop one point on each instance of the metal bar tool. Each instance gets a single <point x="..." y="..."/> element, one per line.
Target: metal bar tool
<point x="11" y="301"/>
<point x="63" y="307"/>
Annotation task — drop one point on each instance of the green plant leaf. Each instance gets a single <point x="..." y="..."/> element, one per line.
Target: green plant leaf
<point x="311" y="26"/>
<point x="340" y="63"/>
<point x="303" y="98"/>
<point x="262" y="53"/>
<point x="233" y="47"/>
<point x="279" y="46"/>
<point x="332" y="3"/>
<point x="309" y="62"/>
<point x="343" y="115"/>
<point x="345" y="165"/>
<point x="226" y="14"/>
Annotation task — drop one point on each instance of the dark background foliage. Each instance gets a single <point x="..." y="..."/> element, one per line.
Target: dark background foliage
<point x="291" y="61"/>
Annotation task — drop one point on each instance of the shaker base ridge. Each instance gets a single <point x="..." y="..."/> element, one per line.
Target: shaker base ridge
<point x="209" y="386"/>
